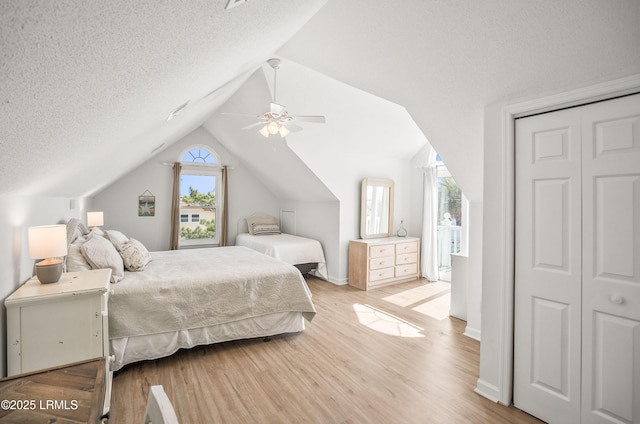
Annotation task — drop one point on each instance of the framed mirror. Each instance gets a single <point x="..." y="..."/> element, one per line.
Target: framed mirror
<point x="376" y="208"/>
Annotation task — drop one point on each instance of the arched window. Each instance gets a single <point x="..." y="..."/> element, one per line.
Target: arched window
<point x="200" y="197"/>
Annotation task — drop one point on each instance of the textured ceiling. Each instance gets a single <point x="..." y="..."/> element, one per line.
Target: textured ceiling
<point x="85" y="87"/>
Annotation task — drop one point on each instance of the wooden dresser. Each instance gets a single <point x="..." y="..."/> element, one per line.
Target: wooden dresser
<point x="383" y="261"/>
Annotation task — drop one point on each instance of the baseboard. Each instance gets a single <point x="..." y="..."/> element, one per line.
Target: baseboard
<point x="487" y="390"/>
<point x="472" y="333"/>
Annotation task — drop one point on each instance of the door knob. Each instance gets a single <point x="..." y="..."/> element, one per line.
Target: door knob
<point x="617" y="299"/>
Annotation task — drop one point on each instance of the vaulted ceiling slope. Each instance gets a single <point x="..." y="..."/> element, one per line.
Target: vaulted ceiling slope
<point x="445" y="60"/>
<point x="86" y="87"/>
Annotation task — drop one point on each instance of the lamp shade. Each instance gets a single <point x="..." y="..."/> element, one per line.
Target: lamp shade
<point x="95" y="219"/>
<point x="47" y="241"/>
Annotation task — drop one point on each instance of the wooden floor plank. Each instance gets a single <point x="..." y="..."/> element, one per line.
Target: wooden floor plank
<point x="367" y="357"/>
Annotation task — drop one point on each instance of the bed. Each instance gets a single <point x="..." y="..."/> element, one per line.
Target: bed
<point x="185" y="298"/>
<point x="262" y="233"/>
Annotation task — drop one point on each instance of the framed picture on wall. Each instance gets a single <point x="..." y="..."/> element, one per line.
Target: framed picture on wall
<point x="146" y="204"/>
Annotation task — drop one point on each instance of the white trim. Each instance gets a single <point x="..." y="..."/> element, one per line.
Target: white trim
<point x="471" y="332"/>
<point x="487" y="390"/>
<point x="610" y="89"/>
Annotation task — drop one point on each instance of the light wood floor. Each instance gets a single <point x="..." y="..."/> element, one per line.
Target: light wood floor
<point x="383" y="356"/>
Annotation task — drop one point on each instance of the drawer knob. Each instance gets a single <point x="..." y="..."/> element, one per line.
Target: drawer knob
<point x="617" y="299"/>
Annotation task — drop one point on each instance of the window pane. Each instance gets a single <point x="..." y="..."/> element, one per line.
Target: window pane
<point x="198" y="155"/>
<point x="198" y="200"/>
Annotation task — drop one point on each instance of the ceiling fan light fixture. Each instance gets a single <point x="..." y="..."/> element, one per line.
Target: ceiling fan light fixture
<point x="283" y="131"/>
<point x="273" y="127"/>
<point x="265" y="131"/>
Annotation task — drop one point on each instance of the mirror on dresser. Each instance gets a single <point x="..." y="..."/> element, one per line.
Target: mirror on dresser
<point x="376" y="219"/>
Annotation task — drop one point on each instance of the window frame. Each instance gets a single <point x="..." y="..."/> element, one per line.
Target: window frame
<point x="202" y="169"/>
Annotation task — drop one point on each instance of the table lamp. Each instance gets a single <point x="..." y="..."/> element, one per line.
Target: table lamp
<point x="95" y="220"/>
<point x="48" y="242"/>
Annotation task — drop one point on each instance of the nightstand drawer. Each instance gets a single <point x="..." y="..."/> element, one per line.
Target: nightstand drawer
<point x="381" y="274"/>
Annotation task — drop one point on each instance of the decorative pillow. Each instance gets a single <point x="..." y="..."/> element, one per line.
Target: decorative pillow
<point x="116" y="237"/>
<point x="75" y="229"/>
<point x="252" y="221"/>
<point x="75" y="261"/>
<point x="265" y="229"/>
<point x="134" y="255"/>
<point x="100" y="253"/>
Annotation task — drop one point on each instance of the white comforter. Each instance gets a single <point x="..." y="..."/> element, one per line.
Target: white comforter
<point x="195" y="288"/>
<point x="292" y="249"/>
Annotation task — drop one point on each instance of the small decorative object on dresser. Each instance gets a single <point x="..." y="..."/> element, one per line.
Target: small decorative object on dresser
<point x="49" y="325"/>
<point x="402" y="232"/>
<point x="383" y="261"/>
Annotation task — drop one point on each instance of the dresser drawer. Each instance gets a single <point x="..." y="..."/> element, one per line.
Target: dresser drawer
<point x="381" y="274"/>
<point x="407" y="247"/>
<point x="382" y="250"/>
<point x="407" y="258"/>
<point x="382" y="262"/>
<point x="406" y="270"/>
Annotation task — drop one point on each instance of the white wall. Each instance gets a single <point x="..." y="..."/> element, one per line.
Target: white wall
<point x="119" y="201"/>
<point x="320" y="221"/>
<point x="16" y="215"/>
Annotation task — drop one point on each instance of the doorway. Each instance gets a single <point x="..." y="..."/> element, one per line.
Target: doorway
<point x="449" y="225"/>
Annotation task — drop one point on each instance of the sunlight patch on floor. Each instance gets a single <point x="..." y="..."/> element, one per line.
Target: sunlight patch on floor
<point x="418" y="294"/>
<point x="385" y="323"/>
<point x="437" y="308"/>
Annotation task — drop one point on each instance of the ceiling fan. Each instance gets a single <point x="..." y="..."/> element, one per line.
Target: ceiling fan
<point x="277" y="120"/>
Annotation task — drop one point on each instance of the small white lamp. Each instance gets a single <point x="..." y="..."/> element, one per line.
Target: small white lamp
<point x="95" y="220"/>
<point x="48" y="242"/>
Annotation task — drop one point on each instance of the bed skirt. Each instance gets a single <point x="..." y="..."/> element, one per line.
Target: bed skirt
<point x="127" y="350"/>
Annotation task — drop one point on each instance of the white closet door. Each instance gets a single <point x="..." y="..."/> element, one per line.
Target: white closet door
<point x="548" y="244"/>
<point x="611" y="262"/>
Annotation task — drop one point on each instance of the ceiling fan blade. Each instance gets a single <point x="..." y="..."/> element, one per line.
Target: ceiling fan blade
<point x="291" y="126"/>
<point x="276" y="108"/>
<point x="310" y="118"/>
<point x="257" y="124"/>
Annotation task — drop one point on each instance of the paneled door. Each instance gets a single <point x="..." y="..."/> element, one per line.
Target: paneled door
<point x="611" y="262"/>
<point x="577" y="294"/>
<point x="548" y="266"/>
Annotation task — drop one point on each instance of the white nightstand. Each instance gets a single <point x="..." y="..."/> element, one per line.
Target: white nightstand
<point x="49" y="325"/>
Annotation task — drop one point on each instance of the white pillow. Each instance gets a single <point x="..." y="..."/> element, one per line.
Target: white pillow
<point x="116" y="237"/>
<point x="100" y="253"/>
<point x="75" y="260"/>
<point x="265" y="229"/>
<point x="134" y="255"/>
<point x="252" y="221"/>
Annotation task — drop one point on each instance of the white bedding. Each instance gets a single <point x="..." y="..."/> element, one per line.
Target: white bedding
<point x="294" y="250"/>
<point x="203" y="295"/>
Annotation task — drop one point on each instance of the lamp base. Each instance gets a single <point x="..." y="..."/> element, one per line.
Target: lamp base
<point x="49" y="271"/>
